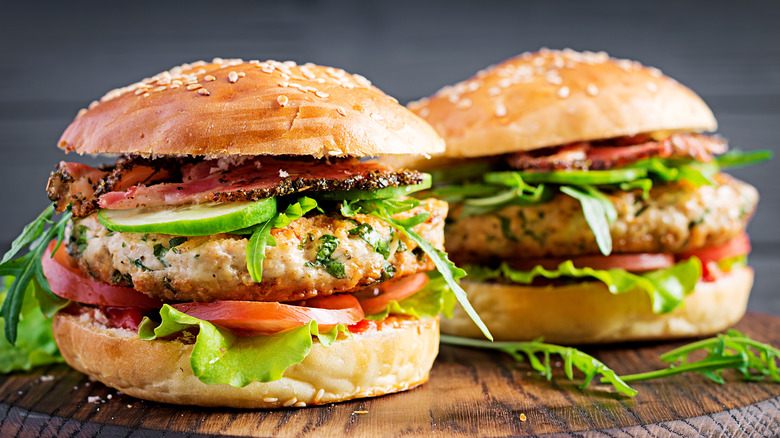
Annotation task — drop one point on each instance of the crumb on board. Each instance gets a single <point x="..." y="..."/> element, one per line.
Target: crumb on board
<point x="523" y="417"/>
<point x="48" y="378"/>
<point x="359" y="412"/>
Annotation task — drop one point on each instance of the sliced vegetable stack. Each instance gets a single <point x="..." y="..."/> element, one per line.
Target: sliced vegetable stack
<point x="587" y="206"/>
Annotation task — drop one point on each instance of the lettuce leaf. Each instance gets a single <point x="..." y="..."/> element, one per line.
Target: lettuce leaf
<point x="219" y="356"/>
<point x="667" y="288"/>
<point x="433" y="299"/>
<point x="599" y="213"/>
<point x="35" y="344"/>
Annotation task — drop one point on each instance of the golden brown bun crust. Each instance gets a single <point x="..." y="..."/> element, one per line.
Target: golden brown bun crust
<point x="588" y="313"/>
<point x="368" y="365"/>
<point x="231" y="107"/>
<point x="552" y="97"/>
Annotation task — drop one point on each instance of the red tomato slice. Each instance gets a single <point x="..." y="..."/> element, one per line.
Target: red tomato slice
<point x="710" y="256"/>
<point x="261" y="318"/>
<point x="66" y="281"/>
<point x="630" y="262"/>
<point x="375" y="299"/>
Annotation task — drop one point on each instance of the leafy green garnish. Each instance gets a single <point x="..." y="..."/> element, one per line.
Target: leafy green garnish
<point x="737" y="158"/>
<point x="667" y="287"/>
<point x="27" y="269"/>
<point x="159" y="253"/>
<point x="599" y="213"/>
<point x="219" y="356"/>
<point x="326" y="246"/>
<point x="572" y="358"/>
<point x="35" y="345"/>
<point x="385" y="209"/>
<point x="733" y="350"/>
<point x="261" y="235"/>
<point x="433" y="299"/>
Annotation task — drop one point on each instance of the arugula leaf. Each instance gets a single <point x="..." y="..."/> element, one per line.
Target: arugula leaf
<point x="572" y="358"/>
<point x="219" y="356"/>
<point x="35" y="345"/>
<point x="737" y="158"/>
<point x="667" y="287"/>
<point x="599" y="213"/>
<point x="433" y="299"/>
<point x="27" y="268"/>
<point x="385" y="209"/>
<point x="733" y="350"/>
<point x="261" y="234"/>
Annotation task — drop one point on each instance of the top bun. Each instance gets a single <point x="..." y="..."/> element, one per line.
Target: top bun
<point x="232" y="107"/>
<point x="553" y="97"/>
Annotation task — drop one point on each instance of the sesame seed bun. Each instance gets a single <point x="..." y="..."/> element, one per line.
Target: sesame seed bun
<point x="232" y="107"/>
<point x="395" y="358"/>
<point x="587" y="313"/>
<point x="552" y="97"/>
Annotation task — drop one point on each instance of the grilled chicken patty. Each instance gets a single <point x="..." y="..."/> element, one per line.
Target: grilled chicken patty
<point x="209" y="268"/>
<point x="674" y="218"/>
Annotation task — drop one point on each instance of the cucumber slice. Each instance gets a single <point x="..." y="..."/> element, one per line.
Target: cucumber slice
<point x="385" y="193"/>
<point x="189" y="220"/>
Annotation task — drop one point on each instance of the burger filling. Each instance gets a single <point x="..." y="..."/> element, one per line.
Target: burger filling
<point x="246" y="257"/>
<point x="632" y="212"/>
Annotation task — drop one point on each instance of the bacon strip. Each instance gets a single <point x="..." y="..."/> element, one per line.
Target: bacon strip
<point x="223" y="180"/>
<point x="616" y="153"/>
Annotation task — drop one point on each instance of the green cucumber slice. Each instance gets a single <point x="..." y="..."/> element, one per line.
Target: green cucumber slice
<point x="189" y="220"/>
<point x="572" y="177"/>
<point x="385" y="193"/>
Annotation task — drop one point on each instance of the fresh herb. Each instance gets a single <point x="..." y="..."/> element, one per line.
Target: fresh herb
<point x="667" y="288"/>
<point x="572" y="358"/>
<point x="599" y="213"/>
<point x="385" y="209"/>
<point x="27" y="269"/>
<point x="176" y="241"/>
<point x="139" y="263"/>
<point x="506" y="229"/>
<point x="261" y="235"/>
<point x="373" y="238"/>
<point x="326" y="246"/>
<point x="737" y="158"/>
<point x="144" y="237"/>
<point x="81" y="240"/>
<point x="159" y="253"/>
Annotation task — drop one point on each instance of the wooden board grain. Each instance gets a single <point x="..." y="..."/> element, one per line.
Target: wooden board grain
<point x="470" y="393"/>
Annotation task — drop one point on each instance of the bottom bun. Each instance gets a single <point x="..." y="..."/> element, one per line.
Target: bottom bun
<point x="395" y="358"/>
<point x="587" y="313"/>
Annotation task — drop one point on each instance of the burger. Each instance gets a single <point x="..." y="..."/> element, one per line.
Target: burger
<point x="241" y="251"/>
<point x="587" y="202"/>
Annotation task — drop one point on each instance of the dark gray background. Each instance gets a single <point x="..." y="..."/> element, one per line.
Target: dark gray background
<point x="58" y="56"/>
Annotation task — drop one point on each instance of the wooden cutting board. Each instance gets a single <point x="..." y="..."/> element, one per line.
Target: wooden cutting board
<point x="471" y="392"/>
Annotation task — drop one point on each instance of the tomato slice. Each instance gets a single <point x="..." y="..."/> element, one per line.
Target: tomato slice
<point x="642" y="262"/>
<point x="66" y="281"/>
<point x="261" y="318"/>
<point x="710" y="256"/>
<point x="375" y="299"/>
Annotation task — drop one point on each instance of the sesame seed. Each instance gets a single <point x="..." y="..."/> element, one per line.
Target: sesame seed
<point x="146" y="95"/>
<point x="194" y="86"/>
<point x="341" y="111"/>
<point x="651" y="87"/>
<point x="463" y="104"/>
<point x="139" y="91"/>
<point x="209" y="78"/>
<point x="563" y="92"/>
<point x="270" y="399"/>
<point x="282" y="100"/>
<point x="300" y="404"/>
<point x="500" y="109"/>
<point x="319" y="395"/>
<point x="84" y="111"/>
<point x="241" y="74"/>
<point x="592" y="90"/>
<point x="494" y="91"/>
<point x="93" y="104"/>
<point x="204" y="92"/>
<point x="160" y="88"/>
<point x="232" y="77"/>
<point x="290" y="402"/>
<point x="321" y="94"/>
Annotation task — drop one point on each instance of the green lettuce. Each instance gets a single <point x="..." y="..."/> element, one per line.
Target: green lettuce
<point x="433" y="299"/>
<point x="219" y="356"/>
<point x="667" y="288"/>
<point x="35" y="344"/>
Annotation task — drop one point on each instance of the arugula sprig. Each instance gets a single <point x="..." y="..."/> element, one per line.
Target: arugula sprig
<point x="262" y="238"/>
<point x="732" y="350"/>
<point x="385" y="209"/>
<point x="572" y="358"/>
<point x="27" y="269"/>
